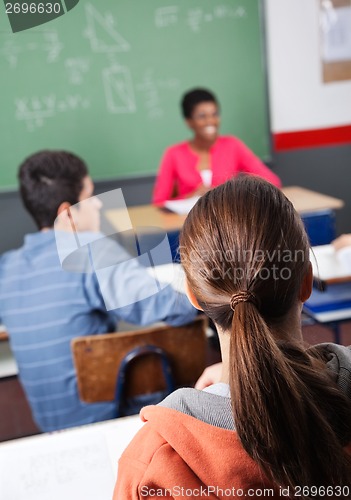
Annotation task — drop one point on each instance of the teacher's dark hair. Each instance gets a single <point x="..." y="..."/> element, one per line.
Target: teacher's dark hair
<point x="244" y="237"/>
<point x="195" y="97"/>
<point x="47" y="179"/>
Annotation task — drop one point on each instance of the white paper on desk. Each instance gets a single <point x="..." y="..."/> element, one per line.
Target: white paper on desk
<point x="326" y="263"/>
<point x="75" y="464"/>
<point x="169" y="273"/>
<point x="69" y="469"/>
<point x="181" y="207"/>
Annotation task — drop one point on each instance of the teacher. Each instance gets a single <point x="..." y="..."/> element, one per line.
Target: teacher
<point x="192" y="167"/>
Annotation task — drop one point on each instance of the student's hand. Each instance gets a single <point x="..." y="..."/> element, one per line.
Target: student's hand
<point x="343" y="241"/>
<point x="211" y="375"/>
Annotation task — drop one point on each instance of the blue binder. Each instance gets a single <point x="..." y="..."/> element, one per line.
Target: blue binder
<point x="336" y="296"/>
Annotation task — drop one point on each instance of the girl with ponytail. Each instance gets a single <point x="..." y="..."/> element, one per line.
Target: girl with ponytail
<point x="279" y="422"/>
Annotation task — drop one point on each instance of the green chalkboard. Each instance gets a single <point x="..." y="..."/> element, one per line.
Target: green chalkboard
<point x="104" y="80"/>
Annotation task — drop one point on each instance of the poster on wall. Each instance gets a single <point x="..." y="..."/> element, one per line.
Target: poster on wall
<point x="335" y="24"/>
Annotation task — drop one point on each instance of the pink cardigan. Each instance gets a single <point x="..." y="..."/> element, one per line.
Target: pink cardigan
<point x="229" y="157"/>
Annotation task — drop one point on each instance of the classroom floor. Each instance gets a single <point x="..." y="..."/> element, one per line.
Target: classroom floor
<point x="15" y="416"/>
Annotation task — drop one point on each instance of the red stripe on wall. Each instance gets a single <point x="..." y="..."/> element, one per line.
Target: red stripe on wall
<point x="312" y="138"/>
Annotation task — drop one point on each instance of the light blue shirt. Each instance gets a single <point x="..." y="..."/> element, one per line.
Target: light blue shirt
<point x="44" y="307"/>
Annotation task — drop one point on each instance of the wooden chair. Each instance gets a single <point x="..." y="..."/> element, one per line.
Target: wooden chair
<point x="97" y="359"/>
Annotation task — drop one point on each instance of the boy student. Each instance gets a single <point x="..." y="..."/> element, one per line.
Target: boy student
<point x="45" y="306"/>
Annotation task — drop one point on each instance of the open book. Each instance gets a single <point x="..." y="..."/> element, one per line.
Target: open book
<point x="332" y="301"/>
<point x="329" y="265"/>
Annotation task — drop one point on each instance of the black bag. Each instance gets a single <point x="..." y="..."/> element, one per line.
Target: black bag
<point x="132" y="405"/>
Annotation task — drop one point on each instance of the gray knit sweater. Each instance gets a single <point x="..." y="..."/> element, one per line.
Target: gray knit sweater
<point x="215" y="409"/>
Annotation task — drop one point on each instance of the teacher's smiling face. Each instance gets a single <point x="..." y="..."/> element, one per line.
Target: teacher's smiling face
<point x="205" y="121"/>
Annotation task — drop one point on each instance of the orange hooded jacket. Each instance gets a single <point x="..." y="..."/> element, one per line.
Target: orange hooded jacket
<point x="172" y="456"/>
<point x="176" y="455"/>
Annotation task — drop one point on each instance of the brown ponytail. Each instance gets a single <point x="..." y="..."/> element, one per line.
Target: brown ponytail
<point x="284" y="406"/>
<point x="244" y="237"/>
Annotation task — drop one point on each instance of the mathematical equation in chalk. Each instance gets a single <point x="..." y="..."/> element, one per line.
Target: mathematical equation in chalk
<point x="35" y="111"/>
<point x="47" y="43"/>
<point x="150" y="87"/>
<point x="196" y="18"/>
<point x="122" y="91"/>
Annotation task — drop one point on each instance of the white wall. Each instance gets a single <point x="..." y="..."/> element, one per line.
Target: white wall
<point x="299" y="100"/>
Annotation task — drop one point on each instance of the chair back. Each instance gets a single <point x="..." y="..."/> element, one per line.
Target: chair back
<point x="97" y="360"/>
<point x="132" y="405"/>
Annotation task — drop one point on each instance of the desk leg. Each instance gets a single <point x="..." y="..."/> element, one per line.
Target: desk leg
<point x="173" y="238"/>
<point x="335" y="326"/>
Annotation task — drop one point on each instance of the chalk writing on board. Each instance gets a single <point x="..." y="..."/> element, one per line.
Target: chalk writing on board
<point x="52" y="45"/>
<point x="119" y="90"/>
<point x="166" y="16"/>
<point x="150" y="87"/>
<point x="194" y="19"/>
<point x="76" y="68"/>
<point x="11" y="51"/>
<point x="41" y="42"/>
<point x="34" y="111"/>
<point x="226" y="11"/>
<point x="197" y="17"/>
<point x="102" y="34"/>
<point x="168" y="83"/>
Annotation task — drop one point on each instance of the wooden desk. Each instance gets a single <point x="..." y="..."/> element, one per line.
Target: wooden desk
<point x="304" y="201"/>
<point x="144" y="216"/>
<point x="72" y="464"/>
